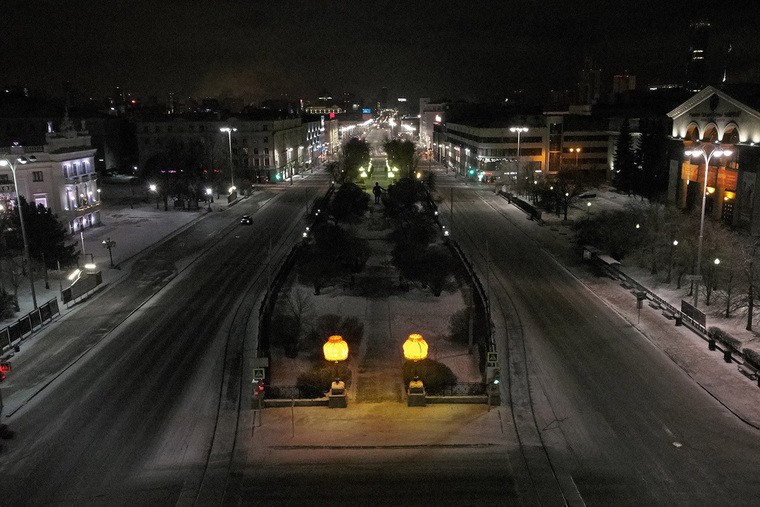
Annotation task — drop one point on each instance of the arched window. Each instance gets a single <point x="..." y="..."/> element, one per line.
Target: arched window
<point x="731" y="135"/>
<point x="711" y="134"/>
<point x="692" y="133"/>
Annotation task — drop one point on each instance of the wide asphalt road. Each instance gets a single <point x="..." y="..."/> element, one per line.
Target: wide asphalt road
<point x="612" y="420"/>
<point x="133" y="399"/>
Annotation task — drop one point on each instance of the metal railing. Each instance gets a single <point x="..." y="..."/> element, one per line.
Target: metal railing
<point x="292" y="392"/>
<point x="677" y="313"/>
<point x="29" y="323"/>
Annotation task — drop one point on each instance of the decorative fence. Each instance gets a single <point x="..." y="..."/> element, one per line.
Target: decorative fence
<point x="29" y="323"/>
<point x="292" y="392"/>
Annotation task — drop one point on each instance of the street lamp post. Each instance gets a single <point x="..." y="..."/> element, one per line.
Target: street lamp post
<point x="519" y="131"/>
<point x="577" y="152"/>
<point x="670" y="260"/>
<point x="229" y="131"/>
<point x="711" y="280"/>
<point x="153" y="188"/>
<point x="415" y="349"/>
<point x="289" y="166"/>
<point x="715" y="151"/>
<point x="335" y="350"/>
<point x="209" y="197"/>
<point x="109" y="244"/>
<point x="7" y="163"/>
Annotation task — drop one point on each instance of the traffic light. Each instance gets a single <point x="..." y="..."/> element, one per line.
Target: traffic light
<point x="471" y="172"/>
<point x="493" y="374"/>
<point x="258" y="388"/>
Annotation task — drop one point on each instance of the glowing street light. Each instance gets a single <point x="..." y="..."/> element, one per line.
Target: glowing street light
<point x="12" y="165"/>
<point x="519" y="131"/>
<point x="336" y="350"/>
<point x="715" y="151"/>
<point x="154" y="188"/>
<point x="415" y="349"/>
<point x="577" y="152"/>
<point x="229" y="131"/>
<point x="209" y="197"/>
<point x="109" y="244"/>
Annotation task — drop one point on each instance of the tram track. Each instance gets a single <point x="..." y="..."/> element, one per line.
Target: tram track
<point x="543" y="476"/>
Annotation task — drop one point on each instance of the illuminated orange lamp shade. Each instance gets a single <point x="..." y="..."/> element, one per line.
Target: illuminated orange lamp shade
<point x="415" y="348"/>
<point x="335" y="349"/>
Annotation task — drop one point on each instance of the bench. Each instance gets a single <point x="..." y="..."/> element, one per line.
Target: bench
<point x="747" y="372"/>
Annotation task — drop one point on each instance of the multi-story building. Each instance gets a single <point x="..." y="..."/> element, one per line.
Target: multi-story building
<point x="696" y="76"/>
<point x="493" y="149"/>
<point x="265" y="147"/>
<point x="581" y="142"/>
<point x="431" y="113"/>
<point x="60" y="175"/>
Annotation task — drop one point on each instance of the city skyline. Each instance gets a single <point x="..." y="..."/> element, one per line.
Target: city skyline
<point x="297" y="49"/>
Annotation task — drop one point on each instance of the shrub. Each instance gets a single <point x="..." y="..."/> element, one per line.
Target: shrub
<point x="285" y="334"/>
<point x="723" y="337"/>
<point x="349" y="203"/>
<point x="8" y="305"/>
<point x="752" y="357"/>
<point x="316" y="382"/>
<point x="434" y="375"/>
<point x="459" y="325"/>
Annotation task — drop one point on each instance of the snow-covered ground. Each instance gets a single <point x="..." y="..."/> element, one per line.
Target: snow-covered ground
<point x="389" y="316"/>
<point x="134" y="228"/>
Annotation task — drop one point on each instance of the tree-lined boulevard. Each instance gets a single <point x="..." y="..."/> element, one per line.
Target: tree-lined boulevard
<point x="142" y="395"/>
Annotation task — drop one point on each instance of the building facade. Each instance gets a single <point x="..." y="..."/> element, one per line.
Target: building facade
<point x="493" y="150"/>
<point x="722" y="124"/>
<point x="263" y="149"/>
<point x="60" y="176"/>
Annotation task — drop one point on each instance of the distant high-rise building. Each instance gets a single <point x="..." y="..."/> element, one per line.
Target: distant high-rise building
<point x="695" y="71"/>
<point x="622" y="83"/>
<point x="589" y="85"/>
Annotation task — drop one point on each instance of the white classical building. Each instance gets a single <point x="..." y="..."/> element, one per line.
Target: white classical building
<point x="59" y="175"/>
<point x="724" y="124"/>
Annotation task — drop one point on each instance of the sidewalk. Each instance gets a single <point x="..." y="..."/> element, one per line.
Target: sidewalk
<point x="133" y="230"/>
<point x="689" y="351"/>
<point x="290" y="435"/>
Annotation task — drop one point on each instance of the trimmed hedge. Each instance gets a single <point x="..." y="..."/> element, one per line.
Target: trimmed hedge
<point x="434" y="375"/>
<point x="726" y="339"/>
<point x="316" y="382"/>
<point x="752" y="357"/>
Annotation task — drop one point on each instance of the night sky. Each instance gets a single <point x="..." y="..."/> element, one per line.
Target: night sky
<point x="476" y="49"/>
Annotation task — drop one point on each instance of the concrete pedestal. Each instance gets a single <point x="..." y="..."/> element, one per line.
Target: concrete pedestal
<point x="415" y="395"/>
<point x="336" y="398"/>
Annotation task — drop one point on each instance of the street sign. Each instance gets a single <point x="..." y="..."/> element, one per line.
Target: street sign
<point x="5" y="367"/>
<point x="492" y="357"/>
<point x="258" y="374"/>
<point x="693" y="278"/>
